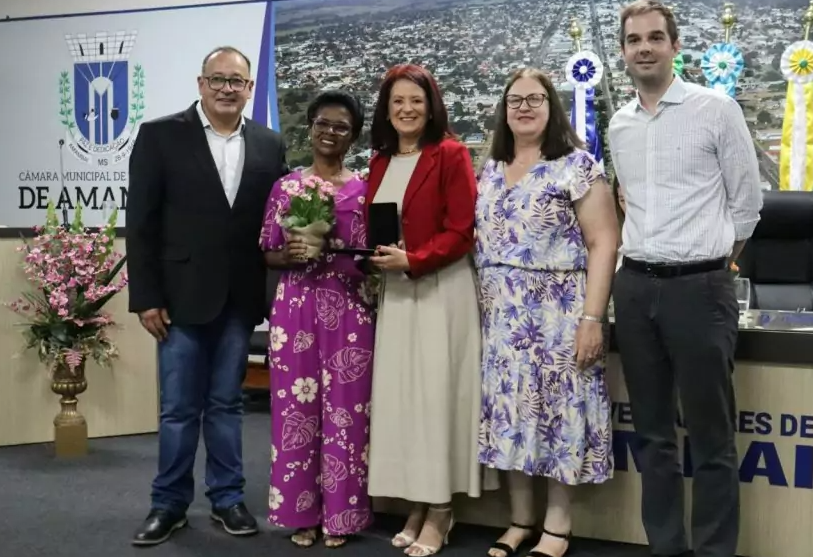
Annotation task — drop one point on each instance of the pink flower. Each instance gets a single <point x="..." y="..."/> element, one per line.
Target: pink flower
<point x="292" y="187"/>
<point x="74" y="359"/>
<point x="69" y="271"/>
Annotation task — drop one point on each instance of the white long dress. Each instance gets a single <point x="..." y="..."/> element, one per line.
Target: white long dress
<point x="426" y="377"/>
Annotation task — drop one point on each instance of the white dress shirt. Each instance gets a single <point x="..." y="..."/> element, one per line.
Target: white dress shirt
<point x="689" y="174"/>
<point x="228" y="152"/>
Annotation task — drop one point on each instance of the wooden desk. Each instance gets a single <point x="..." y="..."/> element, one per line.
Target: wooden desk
<point x="256" y="377"/>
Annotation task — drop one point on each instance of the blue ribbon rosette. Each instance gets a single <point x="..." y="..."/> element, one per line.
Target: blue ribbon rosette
<point x="722" y="65"/>
<point x="584" y="71"/>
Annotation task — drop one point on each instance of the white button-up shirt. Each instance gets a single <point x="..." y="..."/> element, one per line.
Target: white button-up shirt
<point x="228" y="152"/>
<point x="689" y="174"/>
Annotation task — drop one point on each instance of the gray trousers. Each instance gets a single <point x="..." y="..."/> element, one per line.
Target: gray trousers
<point x="677" y="336"/>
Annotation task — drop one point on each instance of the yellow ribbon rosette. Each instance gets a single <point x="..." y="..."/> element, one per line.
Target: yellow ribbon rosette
<point x="796" y="155"/>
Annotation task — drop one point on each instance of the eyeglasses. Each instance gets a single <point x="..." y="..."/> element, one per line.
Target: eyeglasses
<point x="534" y="101"/>
<point x="218" y="82"/>
<point x="338" y="128"/>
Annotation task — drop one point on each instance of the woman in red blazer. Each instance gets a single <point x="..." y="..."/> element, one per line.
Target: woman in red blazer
<point x="426" y="378"/>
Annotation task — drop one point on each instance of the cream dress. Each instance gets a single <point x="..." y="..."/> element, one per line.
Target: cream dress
<point x="425" y="414"/>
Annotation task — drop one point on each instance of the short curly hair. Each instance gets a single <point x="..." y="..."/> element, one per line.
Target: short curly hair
<point x="337" y="97"/>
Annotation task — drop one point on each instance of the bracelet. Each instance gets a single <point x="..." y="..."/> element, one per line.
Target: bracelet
<point x="592" y="318"/>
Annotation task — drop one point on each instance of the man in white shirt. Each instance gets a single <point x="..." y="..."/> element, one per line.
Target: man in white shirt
<point x="199" y="180"/>
<point x="690" y="178"/>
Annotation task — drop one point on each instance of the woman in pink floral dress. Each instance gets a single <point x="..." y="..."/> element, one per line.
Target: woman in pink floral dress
<point x="320" y="348"/>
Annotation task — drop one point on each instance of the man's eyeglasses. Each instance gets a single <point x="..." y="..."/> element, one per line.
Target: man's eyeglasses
<point x="218" y="82"/>
<point x="338" y="128"/>
<point x="533" y="101"/>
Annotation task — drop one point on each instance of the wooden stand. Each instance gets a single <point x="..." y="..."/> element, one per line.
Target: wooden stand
<point x="71" y="440"/>
<point x="70" y="427"/>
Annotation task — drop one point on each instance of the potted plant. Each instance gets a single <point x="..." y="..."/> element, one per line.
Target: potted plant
<point x="74" y="273"/>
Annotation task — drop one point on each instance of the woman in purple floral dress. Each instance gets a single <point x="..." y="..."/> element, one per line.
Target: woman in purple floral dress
<point x="320" y="349"/>
<point x="545" y="255"/>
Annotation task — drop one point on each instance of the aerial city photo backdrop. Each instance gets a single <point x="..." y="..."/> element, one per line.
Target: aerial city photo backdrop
<point x="472" y="45"/>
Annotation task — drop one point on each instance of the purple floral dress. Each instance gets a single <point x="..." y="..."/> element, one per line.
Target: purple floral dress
<point x="539" y="414"/>
<point x="320" y="350"/>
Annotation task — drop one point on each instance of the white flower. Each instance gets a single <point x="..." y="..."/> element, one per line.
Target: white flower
<point x="351" y="337"/>
<point x="326" y="377"/>
<point x="275" y="498"/>
<point x="304" y="389"/>
<point x="281" y="393"/>
<point x="292" y="187"/>
<point x="274" y="453"/>
<point x="353" y="500"/>
<point x="281" y="291"/>
<point x="365" y="455"/>
<point x="277" y="336"/>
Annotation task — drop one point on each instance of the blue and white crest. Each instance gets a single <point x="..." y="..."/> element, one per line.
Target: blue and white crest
<point x="102" y="102"/>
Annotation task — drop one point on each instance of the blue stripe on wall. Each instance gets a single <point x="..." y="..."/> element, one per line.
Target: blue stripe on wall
<point x="259" y="112"/>
<point x="272" y="69"/>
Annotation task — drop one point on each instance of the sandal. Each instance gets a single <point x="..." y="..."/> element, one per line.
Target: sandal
<point x="507" y="550"/>
<point x="334" y="542"/>
<point x="422" y="550"/>
<point x="565" y="537"/>
<point x="304" y="537"/>
<point x="402" y="540"/>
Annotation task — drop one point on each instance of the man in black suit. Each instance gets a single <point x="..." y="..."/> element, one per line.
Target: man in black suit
<point x="199" y="181"/>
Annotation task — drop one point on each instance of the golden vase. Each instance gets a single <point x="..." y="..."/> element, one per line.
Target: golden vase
<point x="70" y="427"/>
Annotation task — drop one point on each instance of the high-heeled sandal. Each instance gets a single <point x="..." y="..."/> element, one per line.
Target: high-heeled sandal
<point x="565" y="537"/>
<point x="402" y="540"/>
<point x="507" y="550"/>
<point x="426" y="550"/>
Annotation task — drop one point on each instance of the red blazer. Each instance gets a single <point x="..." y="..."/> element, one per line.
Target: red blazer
<point x="437" y="213"/>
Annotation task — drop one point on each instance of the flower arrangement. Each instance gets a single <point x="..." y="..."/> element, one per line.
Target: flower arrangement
<point x="74" y="272"/>
<point x="310" y="211"/>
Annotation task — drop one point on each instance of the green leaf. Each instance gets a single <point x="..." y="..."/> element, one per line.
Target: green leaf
<point x="51" y="221"/>
<point x="76" y="225"/>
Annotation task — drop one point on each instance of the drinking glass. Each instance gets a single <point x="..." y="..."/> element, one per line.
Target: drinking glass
<point x="743" y="290"/>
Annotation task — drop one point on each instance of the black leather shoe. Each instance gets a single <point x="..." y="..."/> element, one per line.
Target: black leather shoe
<point x="236" y="520"/>
<point x="158" y="527"/>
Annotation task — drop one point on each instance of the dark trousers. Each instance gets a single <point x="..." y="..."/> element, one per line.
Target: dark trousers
<point x="201" y="370"/>
<point x="677" y="336"/>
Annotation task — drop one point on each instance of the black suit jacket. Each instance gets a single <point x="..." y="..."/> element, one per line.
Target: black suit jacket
<point x="187" y="250"/>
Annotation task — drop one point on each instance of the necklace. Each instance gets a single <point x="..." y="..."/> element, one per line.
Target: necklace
<point x="408" y="151"/>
